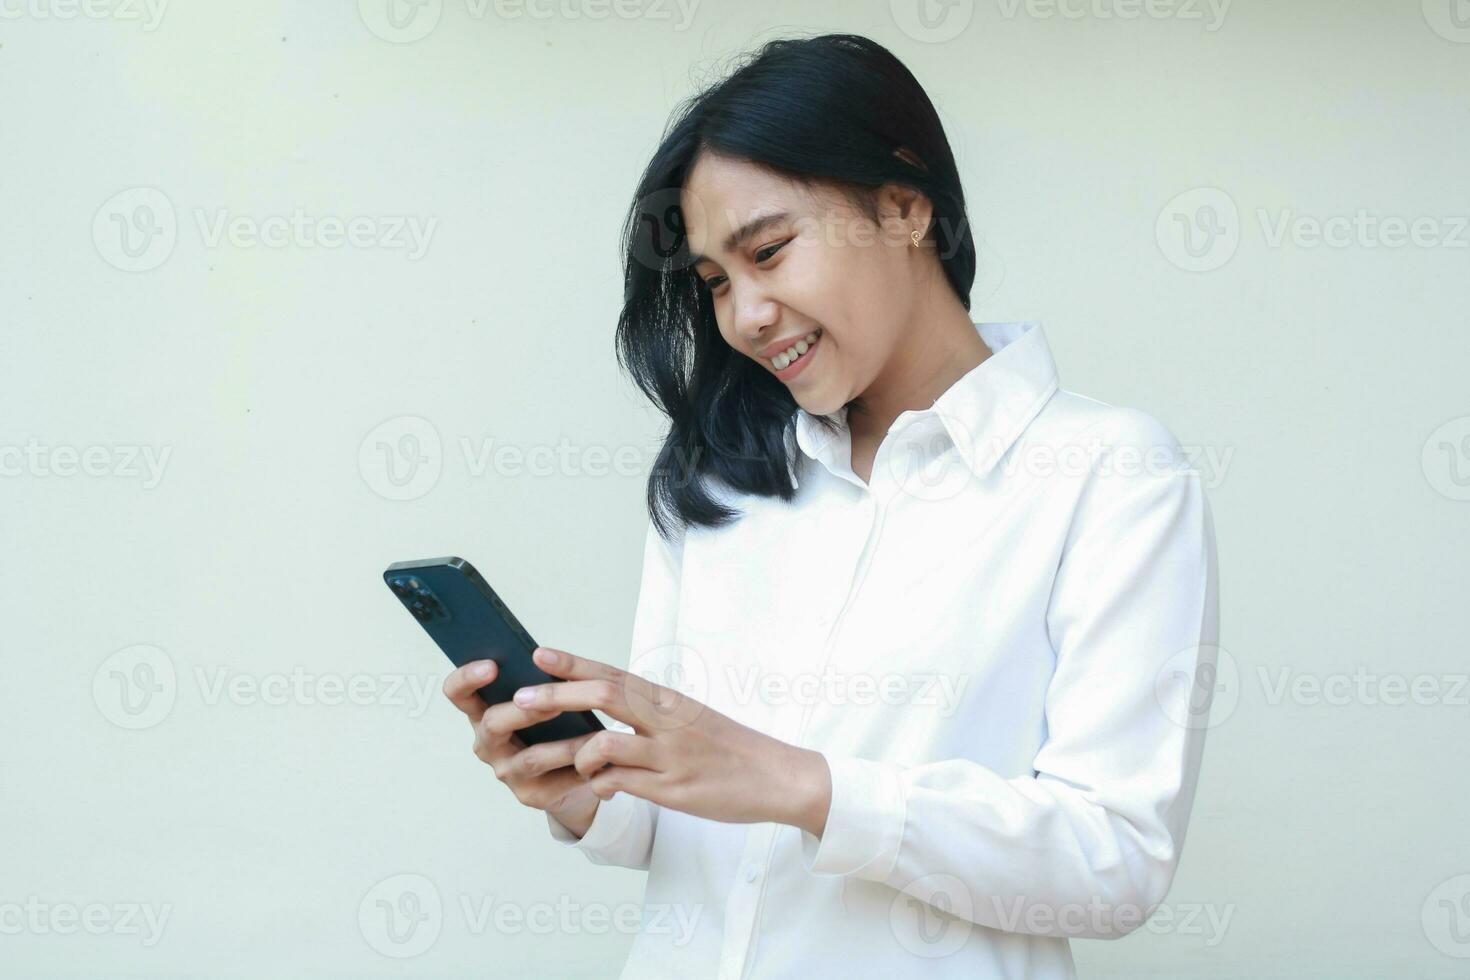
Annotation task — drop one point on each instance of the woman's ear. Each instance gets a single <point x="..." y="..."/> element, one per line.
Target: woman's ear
<point x="899" y="203"/>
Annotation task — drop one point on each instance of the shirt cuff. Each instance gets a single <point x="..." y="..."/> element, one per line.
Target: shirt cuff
<point x="864" y="823"/>
<point x="608" y="824"/>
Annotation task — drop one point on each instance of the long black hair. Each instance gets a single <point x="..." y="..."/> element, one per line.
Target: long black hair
<point x="838" y="109"/>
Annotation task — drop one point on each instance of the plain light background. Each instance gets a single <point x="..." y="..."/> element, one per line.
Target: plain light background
<point x="214" y="713"/>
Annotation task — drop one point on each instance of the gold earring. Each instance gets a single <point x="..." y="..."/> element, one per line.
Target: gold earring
<point x="916" y="235"/>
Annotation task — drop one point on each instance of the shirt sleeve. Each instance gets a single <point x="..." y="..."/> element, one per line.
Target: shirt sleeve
<point x="1134" y="622"/>
<point x="623" y="828"/>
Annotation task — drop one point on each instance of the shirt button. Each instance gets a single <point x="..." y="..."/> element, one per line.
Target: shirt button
<point x="751" y="873"/>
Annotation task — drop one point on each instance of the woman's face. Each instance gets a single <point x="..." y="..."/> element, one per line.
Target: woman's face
<point x="823" y="268"/>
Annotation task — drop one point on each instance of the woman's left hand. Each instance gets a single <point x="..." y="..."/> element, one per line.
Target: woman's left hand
<point x="682" y="754"/>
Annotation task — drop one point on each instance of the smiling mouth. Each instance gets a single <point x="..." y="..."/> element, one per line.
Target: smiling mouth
<point x="797" y="351"/>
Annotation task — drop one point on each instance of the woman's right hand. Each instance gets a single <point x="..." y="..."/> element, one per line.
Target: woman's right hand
<point x="541" y="776"/>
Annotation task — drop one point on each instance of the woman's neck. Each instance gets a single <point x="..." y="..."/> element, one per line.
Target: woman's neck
<point x="931" y="357"/>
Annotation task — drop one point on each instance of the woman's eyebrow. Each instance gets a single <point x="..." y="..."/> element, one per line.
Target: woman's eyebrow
<point x="747" y="231"/>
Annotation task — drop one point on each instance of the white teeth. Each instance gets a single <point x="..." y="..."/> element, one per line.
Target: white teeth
<point x="783" y="360"/>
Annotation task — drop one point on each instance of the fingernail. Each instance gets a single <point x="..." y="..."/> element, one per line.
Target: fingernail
<point x="548" y="656"/>
<point x="481" y="670"/>
<point x="525" y="695"/>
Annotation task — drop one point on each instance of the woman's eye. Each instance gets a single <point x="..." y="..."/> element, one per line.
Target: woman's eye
<point x="773" y="249"/>
<point x="713" y="281"/>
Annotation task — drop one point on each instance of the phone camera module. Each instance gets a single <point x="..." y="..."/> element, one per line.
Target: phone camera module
<point x="418" y="599"/>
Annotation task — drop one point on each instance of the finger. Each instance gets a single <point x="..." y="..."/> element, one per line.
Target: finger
<point x="549" y="756"/>
<point x="560" y="663"/>
<point x="462" y="683"/>
<point x="642" y="783"/>
<point x="645" y="706"/>
<point x="605" y="694"/>
<point x="636" y="702"/>
<point x="501" y="721"/>
<point x="498" y="747"/>
<point x="619" y="749"/>
<point x="558" y="783"/>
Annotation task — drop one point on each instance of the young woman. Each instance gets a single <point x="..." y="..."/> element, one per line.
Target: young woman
<point x="913" y="687"/>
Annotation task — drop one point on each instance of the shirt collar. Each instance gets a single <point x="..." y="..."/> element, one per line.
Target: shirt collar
<point x="983" y="413"/>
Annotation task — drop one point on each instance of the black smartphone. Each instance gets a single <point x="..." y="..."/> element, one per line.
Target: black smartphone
<point x="463" y="615"/>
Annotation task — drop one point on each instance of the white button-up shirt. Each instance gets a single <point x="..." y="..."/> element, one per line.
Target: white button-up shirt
<point x="1003" y="646"/>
